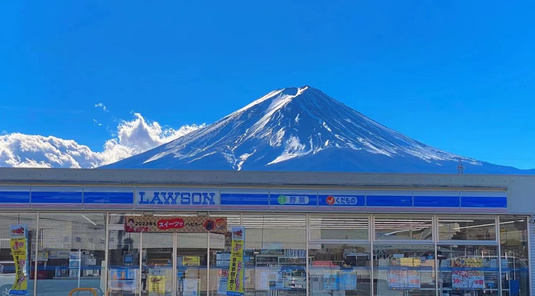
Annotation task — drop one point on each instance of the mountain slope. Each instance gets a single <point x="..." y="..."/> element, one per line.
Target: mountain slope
<point x="302" y="129"/>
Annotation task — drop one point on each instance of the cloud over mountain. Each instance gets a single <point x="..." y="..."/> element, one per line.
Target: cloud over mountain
<point x="133" y="137"/>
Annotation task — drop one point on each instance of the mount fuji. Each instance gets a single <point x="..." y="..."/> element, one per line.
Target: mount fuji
<point x="303" y="129"/>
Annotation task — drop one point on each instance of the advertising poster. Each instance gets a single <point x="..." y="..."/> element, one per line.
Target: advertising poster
<point x="223" y="282"/>
<point x="19" y="251"/>
<point x="330" y="280"/>
<point x="191" y="287"/>
<point x="468" y="280"/>
<point x="123" y="279"/>
<point x="236" y="273"/>
<point x="403" y="279"/>
<point x="347" y="280"/>
<point x="191" y="261"/>
<point x="175" y="224"/>
<point x="395" y="279"/>
<point x="156" y="284"/>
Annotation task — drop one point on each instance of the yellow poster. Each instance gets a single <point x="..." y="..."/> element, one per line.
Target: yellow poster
<point x="156" y="284"/>
<point x="19" y="251"/>
<point x="191" y="261"/>
<point x="235" y="274"/>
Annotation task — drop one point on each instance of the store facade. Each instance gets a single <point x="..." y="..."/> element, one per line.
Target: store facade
<point x="130" y="232"/>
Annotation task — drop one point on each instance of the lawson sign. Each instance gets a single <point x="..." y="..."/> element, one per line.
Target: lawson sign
<point x="177" y="197"/>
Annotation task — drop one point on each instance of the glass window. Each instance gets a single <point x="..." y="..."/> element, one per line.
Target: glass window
<point x="220" y="248"/>
<point x="275" y="254"/>
<point x="339" y="269"/>
<point x="467" y="228"/>
<point x="73" y="247"/>
<point x="404" y="270"/>
<point x="415" y="228"/>
<point x="123" y="268"/>
<point x="468" y="269"/>
<point x="514" y="248"/>
<point x="7" y="263"/>
<point x="338" y="227"/>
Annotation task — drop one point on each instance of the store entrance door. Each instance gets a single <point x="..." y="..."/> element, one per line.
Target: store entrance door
<point x="191" y="264"/>
<point x="158" y="251"/>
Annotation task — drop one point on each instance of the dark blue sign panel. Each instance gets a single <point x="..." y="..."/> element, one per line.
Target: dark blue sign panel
<point x="18" y="197"/>
<point x="244" y="199"/>
<point x="484" y="202"/>
<point x="49" y="198"/>
<point x="389" y="201"/>
<point x="342" y="200"/>
<point x="108" y="198"/>
<point x="437" y="202"/>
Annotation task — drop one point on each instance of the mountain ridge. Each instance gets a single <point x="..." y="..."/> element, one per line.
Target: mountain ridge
<point x="299" y="129"/>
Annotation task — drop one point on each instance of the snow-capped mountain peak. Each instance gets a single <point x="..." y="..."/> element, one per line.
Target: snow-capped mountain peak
<point x="299" y="128"/>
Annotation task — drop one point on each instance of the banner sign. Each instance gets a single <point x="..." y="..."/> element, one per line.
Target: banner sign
<point x="19" y="251"/>
<point x="235" y="275"/>
<point x="175" y="224"/>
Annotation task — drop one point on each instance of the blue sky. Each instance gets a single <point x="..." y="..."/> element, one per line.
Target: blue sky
<point x="457" y="75"/>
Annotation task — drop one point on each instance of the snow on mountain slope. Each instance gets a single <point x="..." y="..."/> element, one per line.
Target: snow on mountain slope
<point x="298" y="129"/>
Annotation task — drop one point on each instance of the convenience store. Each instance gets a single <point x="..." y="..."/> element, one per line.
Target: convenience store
<point x="318" y="234"/>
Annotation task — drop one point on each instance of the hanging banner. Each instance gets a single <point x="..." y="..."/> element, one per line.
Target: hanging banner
<point x="235" y="274"/>
<point x="175" y="224"/>
<point x="19" y="251"/>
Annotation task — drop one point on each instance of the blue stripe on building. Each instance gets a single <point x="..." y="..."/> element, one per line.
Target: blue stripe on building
<point x="55" y="197"/>
<point x="437" y="202"/>
<point x="245" y="199"/>
<point x="108" y="197"/>
<point x="389" y="201"/>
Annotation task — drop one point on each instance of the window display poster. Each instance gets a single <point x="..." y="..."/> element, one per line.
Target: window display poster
<point x="19" y="251"/>
<point x="191" y="287"/>
<point x="330" y="280"/>
<point x="403" y="279"/>
<point x="156" y="284"/>
<point x="123" y="279"/>
<point x="468" y="279"/>
<point x="222" y="285"/>
<point x="347" y="280"/>
<point x="395" y="279"/>
<point x="266" y="279"/>
<point x="236" y="268"/>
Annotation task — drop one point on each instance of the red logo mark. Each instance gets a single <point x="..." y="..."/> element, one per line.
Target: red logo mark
<point x="330" y="200"/>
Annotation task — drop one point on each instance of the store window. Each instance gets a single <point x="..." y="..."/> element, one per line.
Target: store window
<point x="404" y="270"/>
<point x="8" y="268"/>
<point x="124" y="274"/>
<point x="514" y="249"/>
<point x="324" y="227"/>
<point x="72" y="248"/>
<point x="220" y="254"/>
<point x="402" y="228"/>
<point x="275" y="254"/>
<point x="467" y="228"/>
<point x="339" y="269"/>
<point x="468" y="270"/>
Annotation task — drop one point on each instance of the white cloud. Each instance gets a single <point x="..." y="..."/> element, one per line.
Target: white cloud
<point x="138" y="135"/>
<point x="102" y="106"/>
<point x="133" y="137"/>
